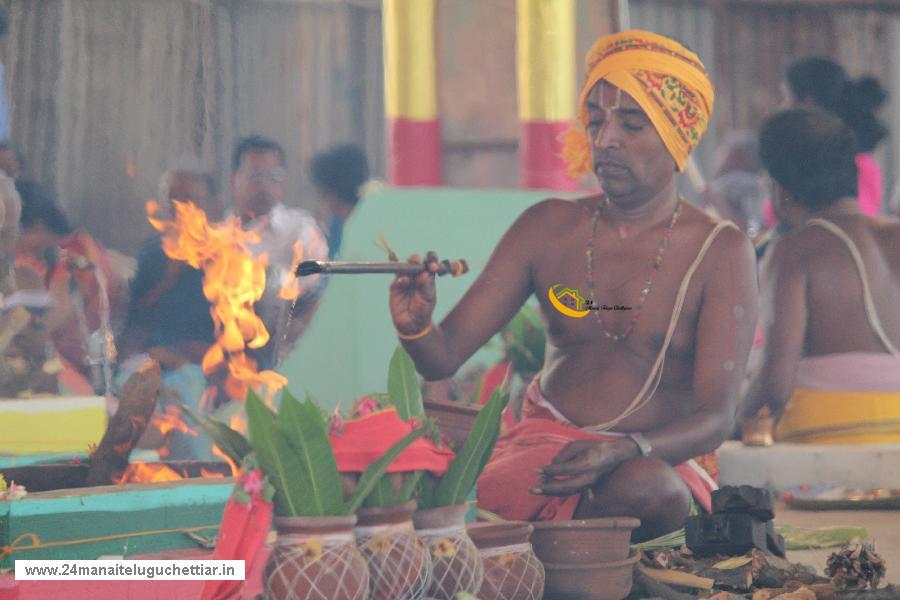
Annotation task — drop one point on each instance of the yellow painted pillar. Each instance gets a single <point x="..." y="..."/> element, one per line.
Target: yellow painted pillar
<point x="410" y="90"/>
<point x="545" y="57"/>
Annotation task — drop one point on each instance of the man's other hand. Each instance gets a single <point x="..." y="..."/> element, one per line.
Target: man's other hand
<point x="583" y="463"/>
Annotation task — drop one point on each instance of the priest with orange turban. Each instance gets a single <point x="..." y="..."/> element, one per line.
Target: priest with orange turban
<point x="648" y="303"/>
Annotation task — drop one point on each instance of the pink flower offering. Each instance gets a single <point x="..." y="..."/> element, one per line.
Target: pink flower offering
<point x="336" y="424"/>
<point x="253" y="482"/>
<point x="367" y="406"/>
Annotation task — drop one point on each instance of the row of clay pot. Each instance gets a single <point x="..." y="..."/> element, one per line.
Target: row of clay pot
<point x="397" y="553"/>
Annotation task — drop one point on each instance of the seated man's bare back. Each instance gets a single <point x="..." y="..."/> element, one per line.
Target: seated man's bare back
<point x="821" y="331"/>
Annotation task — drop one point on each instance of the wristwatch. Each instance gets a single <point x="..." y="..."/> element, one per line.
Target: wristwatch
<point x="643" y="443"/>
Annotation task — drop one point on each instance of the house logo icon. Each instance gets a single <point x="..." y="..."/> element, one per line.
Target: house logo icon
<point x="569" y="301"/>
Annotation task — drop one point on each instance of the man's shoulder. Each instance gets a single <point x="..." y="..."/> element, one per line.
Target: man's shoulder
<point x="729" y="240"/>
<point x="552" y="212"/>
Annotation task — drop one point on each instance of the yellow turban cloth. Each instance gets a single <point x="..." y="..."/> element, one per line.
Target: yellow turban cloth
<point x="666" y="79"/>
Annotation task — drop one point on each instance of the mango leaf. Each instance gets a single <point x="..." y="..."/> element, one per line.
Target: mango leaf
<point x="383" y="494"/>
<point x="463" y="473"/>
<point x="409" y="487"/>
<point x="376" y="469"/>
<point x="276" y="458"/>
<point x="425" y="491"/>
<point x="304" y="428"/>
<point x="404" y="390"/>
<point x="234" y="445"/>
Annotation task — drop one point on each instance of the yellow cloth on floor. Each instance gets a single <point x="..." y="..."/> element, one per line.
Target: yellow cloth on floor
<point x="827" y="417"/>
<point x="59" y="424"/>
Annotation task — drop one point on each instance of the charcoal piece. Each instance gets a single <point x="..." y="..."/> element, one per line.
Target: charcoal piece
<point x="774" y="540"/>
<point x="743" y="499"/>
<point x="728" y="534"/>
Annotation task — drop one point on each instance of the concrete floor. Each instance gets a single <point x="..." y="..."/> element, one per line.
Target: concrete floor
<point x="883" y="527"/>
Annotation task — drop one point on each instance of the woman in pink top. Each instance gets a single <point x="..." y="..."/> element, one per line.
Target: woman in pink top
<point x="822" y="83"/>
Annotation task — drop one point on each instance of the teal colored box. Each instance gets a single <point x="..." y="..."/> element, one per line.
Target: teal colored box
<point x="122" y="520"/>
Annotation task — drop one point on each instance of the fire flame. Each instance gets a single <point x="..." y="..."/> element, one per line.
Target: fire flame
<point x="233" y="281"/>
<point x="290" y="284"/>
<point x="140" y="472"/>
<point x="171" y="420"/>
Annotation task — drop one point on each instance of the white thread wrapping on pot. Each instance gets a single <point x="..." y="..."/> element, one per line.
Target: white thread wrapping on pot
<point x="399" y="562"/>
<point x="441" y="531"/>
<point x="326" y="539"/>
<point x="455" y="561"/>
<point x="502" y="582"/>
<point x="511" y="549"/>
<point x="369" y="530"/>
<point x="340" y="564"/>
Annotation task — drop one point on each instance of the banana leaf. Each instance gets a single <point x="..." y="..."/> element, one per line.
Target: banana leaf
<point x="278" y="460"/>
<point x="304" y="427"/>
<point x="799" y="538"/>
<point x="234" y="445"/>
<point x="795" y="538"/>
<point x="463" y="473"/>
<point x="404" y="390"/>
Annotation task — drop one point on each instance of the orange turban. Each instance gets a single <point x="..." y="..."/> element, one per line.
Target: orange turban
<point x="666" y="79"/>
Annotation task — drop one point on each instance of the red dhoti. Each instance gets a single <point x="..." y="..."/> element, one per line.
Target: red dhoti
<point x="533" y="443"/>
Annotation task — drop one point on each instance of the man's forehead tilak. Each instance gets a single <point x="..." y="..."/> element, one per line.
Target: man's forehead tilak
<point x="610" y="98"/>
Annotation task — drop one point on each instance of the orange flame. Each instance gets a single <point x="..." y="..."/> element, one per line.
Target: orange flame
<point x="171" y="420"/>
<point x="205" y="473"/>
<point x="290" y="285"/>
<point x="140" y="472"/>
<point x="219" y="453"/>
<point x="233" y="281"/>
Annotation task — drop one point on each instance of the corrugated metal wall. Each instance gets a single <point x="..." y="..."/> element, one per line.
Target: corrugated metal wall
<point x="105" y="94"/>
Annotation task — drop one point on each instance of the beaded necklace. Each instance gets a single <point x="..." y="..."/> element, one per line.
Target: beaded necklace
<point x="648" y="284"/>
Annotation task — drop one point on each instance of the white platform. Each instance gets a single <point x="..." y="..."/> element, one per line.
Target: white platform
<point x="785" y="465"/>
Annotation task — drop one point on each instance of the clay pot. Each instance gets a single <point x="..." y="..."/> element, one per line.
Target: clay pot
<point x="315" y="558"/>
<point x="584" y="541"/>
<point x="455" y="561"/>
<point x="399" y="563"/>
<point x="455" y="420"/>
<point x="511" y="569"/>
<point x="597" y="581"/>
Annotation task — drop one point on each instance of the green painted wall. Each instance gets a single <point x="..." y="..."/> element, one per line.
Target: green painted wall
<point x="347" y="348"/>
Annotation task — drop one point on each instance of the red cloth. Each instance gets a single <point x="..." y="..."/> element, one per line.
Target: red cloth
<point x="492" y="380"/>
<point x="359" y="442"/>
<point x="244" y="529"/>
<point x="533" y="443"/>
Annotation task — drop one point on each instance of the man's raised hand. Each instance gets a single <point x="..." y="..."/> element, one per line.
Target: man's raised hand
<point x="412" y="299"/>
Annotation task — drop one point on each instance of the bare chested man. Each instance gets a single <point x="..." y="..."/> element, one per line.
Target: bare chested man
<point x="831" y="357"/>
<point x="631" y="247"/>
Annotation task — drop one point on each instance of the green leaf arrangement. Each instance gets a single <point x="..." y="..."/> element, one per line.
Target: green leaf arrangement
<point x="293" y="450"/>
<point x="404" y="394"/>
<point x="460" y="479"/>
